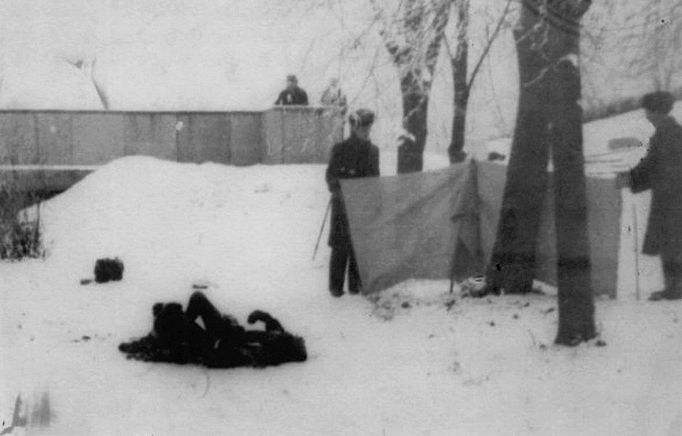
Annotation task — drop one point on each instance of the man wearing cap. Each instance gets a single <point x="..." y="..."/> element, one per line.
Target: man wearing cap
<point x="352" y="158"/>
<point x="661" y="171"/>
<point x="292" y="94"/>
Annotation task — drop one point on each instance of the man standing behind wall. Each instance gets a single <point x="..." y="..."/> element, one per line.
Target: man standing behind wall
<point x="293" y="95"/>
<point x="355" y="157"/>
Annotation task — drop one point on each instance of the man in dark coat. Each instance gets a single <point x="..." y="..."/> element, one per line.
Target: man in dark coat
<point x="220" y="343"/>
<point x="661" y="171"/>
<point x="352" y="158"/>
<point x="293" y="94"/>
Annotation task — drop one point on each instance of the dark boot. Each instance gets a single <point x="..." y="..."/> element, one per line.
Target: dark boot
<point x="672" y="274"/>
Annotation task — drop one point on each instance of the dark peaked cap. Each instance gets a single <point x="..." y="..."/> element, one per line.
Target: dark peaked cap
<point x="659" y="102"/>
<point x="362" y="117"/>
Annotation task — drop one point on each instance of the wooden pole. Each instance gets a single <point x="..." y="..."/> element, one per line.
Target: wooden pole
<point x="635" y="237"/>
<point x="324" y="221"/>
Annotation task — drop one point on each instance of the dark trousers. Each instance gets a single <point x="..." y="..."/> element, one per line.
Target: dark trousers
<point x="200" y="307"/>
<point x="224" y="327"/>
<point x="218" y="326"/>
<point x="672" y="273"/>
<point x="342" y="256"/>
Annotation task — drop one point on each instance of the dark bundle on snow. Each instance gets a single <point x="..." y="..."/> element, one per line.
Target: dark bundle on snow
<point x="177" y="338"/>
<point x="107" y="270"/>
<point x="493" y="156"/>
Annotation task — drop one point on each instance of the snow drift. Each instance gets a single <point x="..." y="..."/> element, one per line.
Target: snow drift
<point x="413" y="362"/>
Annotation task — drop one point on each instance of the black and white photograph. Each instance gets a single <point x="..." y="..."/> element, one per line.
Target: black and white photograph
<point x="341" y="217"/>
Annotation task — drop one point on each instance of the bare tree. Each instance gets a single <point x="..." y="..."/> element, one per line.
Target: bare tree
<point x="459" y="63"/>
<point x="101" y="93"/>
<point x="633" y="46"/>
<point x="549" y="118"/>
<point x="86" y="66"/>
<point x="412" y="33"/>
<point x="659" y="56"/>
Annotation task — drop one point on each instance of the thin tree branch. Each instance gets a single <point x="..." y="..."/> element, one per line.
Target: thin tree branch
<point x="489" y="44"/>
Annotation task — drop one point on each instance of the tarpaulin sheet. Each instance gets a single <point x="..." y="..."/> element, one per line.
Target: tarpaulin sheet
<point x="436" y="224"/>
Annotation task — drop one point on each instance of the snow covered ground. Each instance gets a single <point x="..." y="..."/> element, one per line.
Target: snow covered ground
<point x="410" y="363"/>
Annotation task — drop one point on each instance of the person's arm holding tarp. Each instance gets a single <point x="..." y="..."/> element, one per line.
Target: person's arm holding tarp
<point x="640" y="176"/>
<point x="638" y="179"/>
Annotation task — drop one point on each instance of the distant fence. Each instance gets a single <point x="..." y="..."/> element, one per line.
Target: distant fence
<point x="49" y="142"/>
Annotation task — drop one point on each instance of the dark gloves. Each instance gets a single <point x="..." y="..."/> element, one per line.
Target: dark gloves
<point x="271" y="324"/>
<point x="623" y="180"/>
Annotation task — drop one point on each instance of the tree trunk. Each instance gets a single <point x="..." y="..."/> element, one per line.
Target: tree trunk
<point x="415" y="115"/>
<point x="576" y="301"/>
<point x="460" y="70"/>
<point x="549" y="117"/>
<point x="456" y="148"/>
<point x="422" y="25"/>
<point x="512" y="265"/>
<point x="459" y="121"/>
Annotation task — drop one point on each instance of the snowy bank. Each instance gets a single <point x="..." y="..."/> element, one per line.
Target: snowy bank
<point x="413" y="363"/>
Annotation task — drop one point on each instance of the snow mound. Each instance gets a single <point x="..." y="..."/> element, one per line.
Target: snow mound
<point x="173" y="224"/>
<point x="246" y="235"/>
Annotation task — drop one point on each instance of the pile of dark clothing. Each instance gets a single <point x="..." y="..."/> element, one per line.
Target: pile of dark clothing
<point x="108" y="270"/>
<point x="221" y="342"/>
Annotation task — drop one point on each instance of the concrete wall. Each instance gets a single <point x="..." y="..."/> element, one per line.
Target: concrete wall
<point x="95" y="138"/>
<point x="53" y="139"/>
<point x="300" y="134"/>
